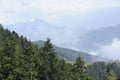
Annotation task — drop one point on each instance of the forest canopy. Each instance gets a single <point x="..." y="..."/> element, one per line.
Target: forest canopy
<point x="20" y="59"/>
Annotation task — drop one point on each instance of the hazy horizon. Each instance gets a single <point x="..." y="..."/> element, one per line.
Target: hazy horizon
<point x="66" y="22"/>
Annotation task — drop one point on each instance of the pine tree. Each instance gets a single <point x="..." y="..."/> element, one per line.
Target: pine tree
<point x="49" y="61"/>
<point x="8" y="59"/>
<point x="16" y="57"/>
<point x="109" y="74"/>
<point x="79" y="71"/>
<point x="29" y="60"/>
<point x="64" y="70"/>
<point x="1" y="61"/>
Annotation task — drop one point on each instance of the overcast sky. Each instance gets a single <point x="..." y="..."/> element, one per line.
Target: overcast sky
<point x="15" y="11"/>
<point x="71" y="18"/>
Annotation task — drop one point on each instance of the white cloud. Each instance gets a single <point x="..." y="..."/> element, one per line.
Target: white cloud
<point x="67" y="7"/>
<point x="30" y="9"/>
<point x="111" y="51"/>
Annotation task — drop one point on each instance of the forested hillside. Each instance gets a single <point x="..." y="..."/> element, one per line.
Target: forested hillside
<point x="71" y="55"/>
<point x="104" y="70"/>
<point x="21" y="60"/>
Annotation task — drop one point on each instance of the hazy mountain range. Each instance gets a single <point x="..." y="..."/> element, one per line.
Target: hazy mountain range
<point x="101" y="36"/>
<point x="99" y="41"/>
<point x="71" y="55"/>
<point x="96" y="32"/>
<point x="104" y="42"/>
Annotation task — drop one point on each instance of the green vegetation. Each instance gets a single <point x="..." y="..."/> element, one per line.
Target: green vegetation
<point x="104" y="70"/>
<point x="21" y="60"/>
<point x="71" y="55"/>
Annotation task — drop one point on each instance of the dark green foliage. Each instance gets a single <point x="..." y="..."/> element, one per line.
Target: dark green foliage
<point x="49" y="62"/>
<point x="10" y="57"/>
<point x="97" y="70"/>
<point x="64" y="70"/>
<point x="103" y="70"/>
<point x="116" y="67"/>
<point x="29" y="59"/>
<point x="109" y="75"/>
<point x="79" y="70"/>
<point x="21" y="60"/>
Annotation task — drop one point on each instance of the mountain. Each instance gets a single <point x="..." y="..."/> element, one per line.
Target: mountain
<point x="71" y="55"/>
<point x="69" y="36"/>
<point x="40" y="30"/>
<point x="99" y="37"/>
<point x="33" y="30"/>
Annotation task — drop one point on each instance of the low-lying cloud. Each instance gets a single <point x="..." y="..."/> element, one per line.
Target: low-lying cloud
<point x="111" y="51"/>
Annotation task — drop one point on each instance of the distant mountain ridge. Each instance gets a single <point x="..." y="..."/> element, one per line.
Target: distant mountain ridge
<point x="68" y="36"/>
<point x="40" y="30"/>
<point x="100" y="36"/>
<point x="71" y="55"/>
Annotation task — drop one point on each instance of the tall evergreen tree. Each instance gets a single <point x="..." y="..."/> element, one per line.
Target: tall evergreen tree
<point x="10" y="58"/>
<point x="79" y="71"/>
<point x="50" y="61"/>
<point x="109" y="75"/>
<point x="29" y="60"/>
<point x="64" y="70"/>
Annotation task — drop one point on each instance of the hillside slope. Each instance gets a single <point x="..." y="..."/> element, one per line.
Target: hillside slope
<point x="71" y="55"/>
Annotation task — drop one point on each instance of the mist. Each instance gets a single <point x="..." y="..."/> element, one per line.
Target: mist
<point x="111" y="51"/>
